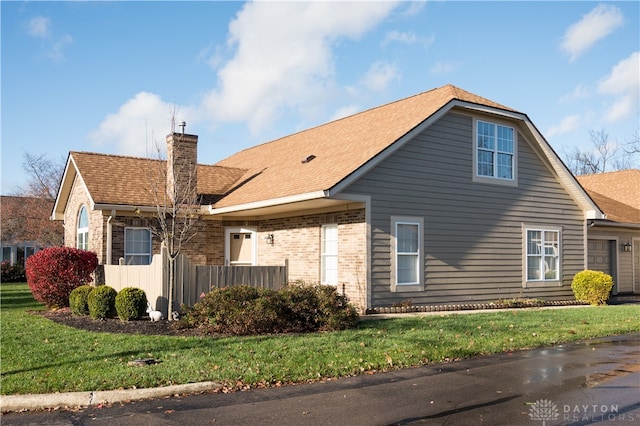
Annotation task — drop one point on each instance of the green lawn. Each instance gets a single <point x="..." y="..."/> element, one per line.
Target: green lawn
<point x="40" y="356"/>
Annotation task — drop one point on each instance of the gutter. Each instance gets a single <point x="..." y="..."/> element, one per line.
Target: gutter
<point x="110" y="236"/>
<point x="122" y="207"/>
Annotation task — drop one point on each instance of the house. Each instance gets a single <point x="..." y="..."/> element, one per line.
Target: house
<point x="442" y="197"/>
<point x="614" y="242"/>
<point x="26" y="228"/>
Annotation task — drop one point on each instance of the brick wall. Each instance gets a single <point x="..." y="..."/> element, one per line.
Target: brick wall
<point x="298" y="240"/>
<point x="77" y="199"/>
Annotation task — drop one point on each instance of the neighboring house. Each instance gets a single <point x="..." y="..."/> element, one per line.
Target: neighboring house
<point x="442" y="197"/>
<point x="26" y="228"/>
<point x="614" y="242"/>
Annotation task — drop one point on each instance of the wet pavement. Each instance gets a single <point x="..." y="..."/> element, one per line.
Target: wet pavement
<point x="584" y="383"/>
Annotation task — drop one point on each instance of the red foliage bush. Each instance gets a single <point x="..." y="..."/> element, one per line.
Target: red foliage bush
<point x="54" y="272"/>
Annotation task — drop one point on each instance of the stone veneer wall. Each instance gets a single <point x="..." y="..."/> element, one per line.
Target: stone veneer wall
<point x="298" y="240"/>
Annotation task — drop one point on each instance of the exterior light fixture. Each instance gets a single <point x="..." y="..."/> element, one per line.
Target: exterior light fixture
<point x="627" y="247"/>
<point x="269" y="239"/>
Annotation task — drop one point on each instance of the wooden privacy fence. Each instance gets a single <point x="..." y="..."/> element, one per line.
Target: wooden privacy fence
<point x="193" y="280"/>
<point x="190" y="280"/>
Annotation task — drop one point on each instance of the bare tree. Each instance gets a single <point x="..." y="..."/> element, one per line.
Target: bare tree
<point x="45" y="175"/>
<point x="632" y="144"/>
<point x="604" y="155"/>
<point x="27" y="218"/>
<point x="177" y="203"/>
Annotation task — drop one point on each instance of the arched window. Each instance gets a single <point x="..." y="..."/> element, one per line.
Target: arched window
<point x="83" y="229"/>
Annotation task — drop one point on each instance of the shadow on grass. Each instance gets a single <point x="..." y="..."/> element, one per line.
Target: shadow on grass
<point x="159" y="348"/>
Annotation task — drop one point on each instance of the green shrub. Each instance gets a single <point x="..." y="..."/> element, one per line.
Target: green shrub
<point x="102" y="302"/>
<point x="131" y="303"/>
<point x="592" y="287"/>
<point x="78" y="300"/>
<point x="294" y="309"/>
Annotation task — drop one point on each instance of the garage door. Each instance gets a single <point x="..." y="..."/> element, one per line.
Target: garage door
<point x="600" y="258"/>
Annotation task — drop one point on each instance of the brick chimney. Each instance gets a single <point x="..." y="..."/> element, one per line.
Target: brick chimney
<point x="182" y="157"/>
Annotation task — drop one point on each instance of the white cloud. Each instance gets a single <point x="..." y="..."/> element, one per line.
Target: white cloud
<point x="138" y="126"/>
<point x="39" y="27"/>
<point x="56" y="50"/>
<point x="283" y="56"/>
<point x="345" y="111"/>
<point x="623" y="83"/>
<point x="379" y="75"/>
<point x="442" y="67"/>
<point x="593" y="26"/>
<point x="566" y="125"/>
<point x="580" y="92"/>
<point x="406" y="38"/>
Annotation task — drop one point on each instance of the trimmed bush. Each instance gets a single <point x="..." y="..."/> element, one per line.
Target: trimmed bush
<point x="243" y="310"/>
<point x="131" y="303"/>
<point x="102" y="302"/>
<point x="592" y="287"/>
<point x="12" y="273"/>
<point x="79" y="300"/>
<point x="54" y="272"/>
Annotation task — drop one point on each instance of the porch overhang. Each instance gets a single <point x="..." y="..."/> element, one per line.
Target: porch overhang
<point x="610" y="224"/>
<point x="285" y="206"/>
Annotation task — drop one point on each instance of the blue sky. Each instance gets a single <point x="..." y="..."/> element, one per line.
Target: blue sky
<point x="107" y="76"/>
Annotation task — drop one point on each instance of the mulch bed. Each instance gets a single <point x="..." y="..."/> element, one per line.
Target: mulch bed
<point x="114" y="325"/>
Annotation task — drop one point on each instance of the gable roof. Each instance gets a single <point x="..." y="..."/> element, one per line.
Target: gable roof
<point x="339" y="148"/>
<point x="310" y="168"/>
<point x="616" y="193"/>
<point x="342" y="150"/>
<point x="113" y="180"/>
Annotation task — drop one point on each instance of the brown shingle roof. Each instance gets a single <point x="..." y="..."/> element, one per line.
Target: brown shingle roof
<point x="340" y="147"/>
<point x="120" y="180"/>
<point x="616" y="193"/>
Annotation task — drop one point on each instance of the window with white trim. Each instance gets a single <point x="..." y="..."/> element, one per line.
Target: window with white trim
<point x="407" y="253"/>
<point x="137" y="246"/>
<point x="82" y="230"/>
<point x="495" y="150"/>
<point x="329" y="255"/>
<point x="543" y="254"/>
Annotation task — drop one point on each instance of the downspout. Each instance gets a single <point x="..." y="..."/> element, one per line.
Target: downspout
<point x="109" y="235"/>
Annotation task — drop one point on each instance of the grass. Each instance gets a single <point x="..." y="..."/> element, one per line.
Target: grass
<point x="40" y="356"/>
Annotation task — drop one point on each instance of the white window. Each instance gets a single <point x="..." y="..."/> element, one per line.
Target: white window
<point x="543" y="254"/>
<point x="329" y="261"/>
<point x="137" y="246"/>
<point x="83" y="230"/>
<point x="407" y="254"/>
<point x="495" y="151"/>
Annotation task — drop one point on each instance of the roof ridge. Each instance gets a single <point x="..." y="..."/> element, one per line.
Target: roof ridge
<point x="300" y="132"/>
<point x="133" y="157"/>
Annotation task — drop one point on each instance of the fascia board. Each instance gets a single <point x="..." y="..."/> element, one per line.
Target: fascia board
<point x="598" y="223"/>
<point x="269" y="203"/>
<point x="565" y="177"/>
<point x="64" y="192"/>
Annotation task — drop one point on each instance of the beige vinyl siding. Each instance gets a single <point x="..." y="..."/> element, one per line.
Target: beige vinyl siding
<point x="473" y="232"/>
